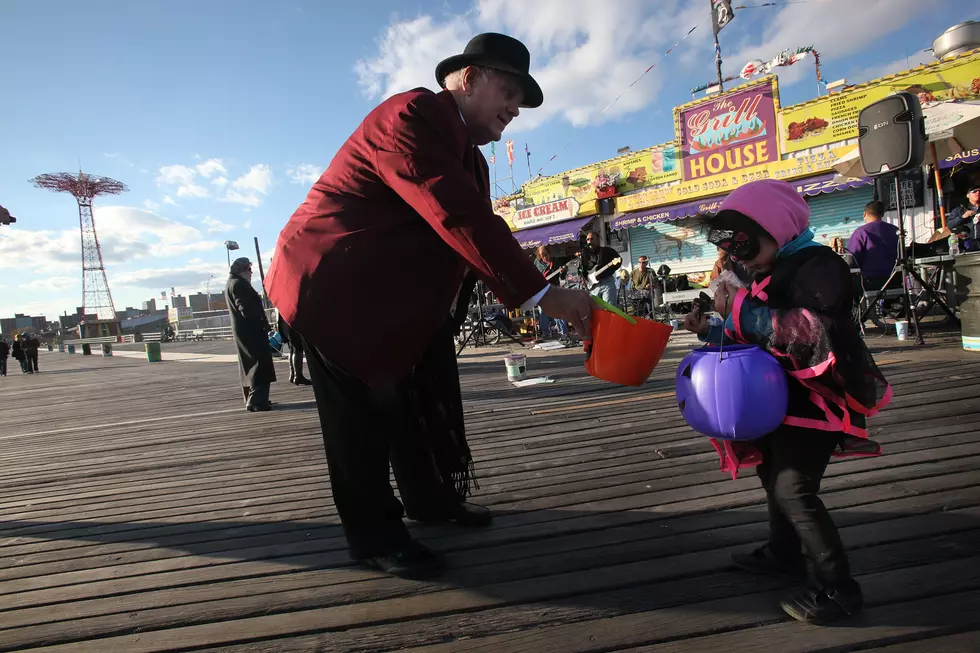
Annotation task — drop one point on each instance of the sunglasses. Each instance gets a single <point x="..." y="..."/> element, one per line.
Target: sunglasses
<point x="739" y="244"/>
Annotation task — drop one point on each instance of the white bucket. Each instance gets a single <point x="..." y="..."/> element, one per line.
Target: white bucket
<point x="516" y="366"/>
<point x="902" y="329"/>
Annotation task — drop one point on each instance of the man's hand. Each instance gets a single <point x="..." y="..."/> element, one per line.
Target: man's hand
<point x="573" y="306"/>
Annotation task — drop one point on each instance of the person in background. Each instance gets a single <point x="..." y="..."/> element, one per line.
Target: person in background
<point x="645" y="281"/>
<point x="963" y="220"/>
<point x="30" y="344"/>
<point x="250" y="328"/>
<point x="548" y="266"/>
<point x="874" y="246"/>
<point x="4" y="353"/>
<point x="17" y="351"/>
<point x="295" y="355"/>
<point x="594" y="258"/>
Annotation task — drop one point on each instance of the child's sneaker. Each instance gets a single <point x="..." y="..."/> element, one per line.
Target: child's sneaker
<point x="824" y="605"/>
<point x="763" y="562"/>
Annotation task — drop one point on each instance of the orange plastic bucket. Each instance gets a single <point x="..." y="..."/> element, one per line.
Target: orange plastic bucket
<point x="624" y="353"/>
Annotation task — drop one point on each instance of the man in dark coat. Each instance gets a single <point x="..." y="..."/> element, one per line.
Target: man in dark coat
<point x="4" y="353"/>
<point x="251" y="330"/>
<point x="295" y="355"/>
<point x="30" y="344"/>
<point x="410" y="184"/>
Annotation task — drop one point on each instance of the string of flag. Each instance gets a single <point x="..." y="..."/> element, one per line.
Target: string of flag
<point x="666" y="52"/>
<point x="625" y="91"/>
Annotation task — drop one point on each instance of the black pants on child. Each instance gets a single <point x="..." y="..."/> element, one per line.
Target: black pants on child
<point x="794" y="462"/>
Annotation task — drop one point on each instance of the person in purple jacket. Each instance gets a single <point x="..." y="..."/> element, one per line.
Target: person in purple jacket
<point x="874" y="246"/>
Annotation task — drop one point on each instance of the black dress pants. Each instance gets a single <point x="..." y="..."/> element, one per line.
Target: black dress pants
<point x="363" y="429"/>
<point x="295" y="361"/>
<point x="794" y="462"/>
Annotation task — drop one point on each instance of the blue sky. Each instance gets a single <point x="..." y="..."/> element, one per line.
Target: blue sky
<point x="218" y="114"/>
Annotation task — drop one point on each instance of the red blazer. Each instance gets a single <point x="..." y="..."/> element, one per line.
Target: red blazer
<point x="367" y="268"/>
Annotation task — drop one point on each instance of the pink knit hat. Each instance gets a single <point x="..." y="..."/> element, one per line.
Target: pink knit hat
<point x="773" y="205"/>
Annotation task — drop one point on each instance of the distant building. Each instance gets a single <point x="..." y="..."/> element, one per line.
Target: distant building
<point x="20" y="321"/>
<point x="178" y="301"/>
<point x="150" y="305"/>
<point x="199" y="302"/>
<point x="129" y="313"/>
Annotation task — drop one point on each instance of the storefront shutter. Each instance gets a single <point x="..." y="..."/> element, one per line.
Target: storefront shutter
<point x="837" y="215"/>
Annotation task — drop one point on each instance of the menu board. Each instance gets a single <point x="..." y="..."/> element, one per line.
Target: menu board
<point x="834" y="118"/>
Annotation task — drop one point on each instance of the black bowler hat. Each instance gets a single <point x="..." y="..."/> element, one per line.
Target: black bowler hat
<point x="500" y="52"/>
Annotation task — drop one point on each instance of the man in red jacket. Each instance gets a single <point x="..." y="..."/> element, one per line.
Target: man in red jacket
<point x="409" y="187"/>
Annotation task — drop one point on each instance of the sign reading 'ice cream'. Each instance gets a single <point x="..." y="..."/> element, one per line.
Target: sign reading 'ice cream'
<point x="728" y="133"/>
<point x="535" y="216"/>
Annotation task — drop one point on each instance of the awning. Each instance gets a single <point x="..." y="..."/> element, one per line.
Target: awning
<point x="971" y="156"/>
<point x="667" y="213"/>
<point x="829" y="183"/>
<point x="552" y="234"/>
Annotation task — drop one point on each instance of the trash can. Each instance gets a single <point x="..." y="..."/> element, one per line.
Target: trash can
<point x="61" y="347"/>
<point x="153" y="352"/>
<point x="71" y="349"/>
<point x="86" y="349"/>
<point x="968" y="273"/>
<point x="106" y="349"/>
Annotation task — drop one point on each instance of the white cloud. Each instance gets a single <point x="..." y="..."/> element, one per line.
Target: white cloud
<point x="210" y="168"/>
<point x="247" y="225"/>
<point x="192" y="190"/>
<point x="258" y="178"/>
<point x="169" y="200"/>
<point x="184" y="178"/>
<point x="216" y="226"/>
<point x="151" y="205"/>
<point x="126" y="234"/>
<point x="245" y="199"/>
<point x="818" y="24"/>
<point x="583" y="54"/>
<point x="176" y="175"/>
<point x="190" y="278"/>
<point x="53" y="284"/>
<point x="304" y="173"/>
<point x="246" y="190"/>
<point x="408" y="53"/>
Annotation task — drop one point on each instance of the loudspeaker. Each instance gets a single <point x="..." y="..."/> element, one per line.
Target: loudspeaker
<point x="891" y="134"/>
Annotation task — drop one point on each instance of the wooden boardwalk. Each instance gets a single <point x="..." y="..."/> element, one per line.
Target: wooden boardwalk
<point x="141" y="509"/>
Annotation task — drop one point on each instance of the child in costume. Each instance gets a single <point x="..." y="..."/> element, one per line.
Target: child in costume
<point x="798" y="308"/>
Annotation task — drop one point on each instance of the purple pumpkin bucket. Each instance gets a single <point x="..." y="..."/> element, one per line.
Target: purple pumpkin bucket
<point x="737" y="392"/>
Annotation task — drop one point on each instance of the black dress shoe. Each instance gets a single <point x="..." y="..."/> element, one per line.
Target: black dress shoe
<point x="260" y="408"/>
<point x="412" y="561"/>
<point x="301" y="381"/>
<point x="468" y="515"/>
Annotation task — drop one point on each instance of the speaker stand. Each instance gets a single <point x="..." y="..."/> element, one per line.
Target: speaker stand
<point x="904" y="267"/>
